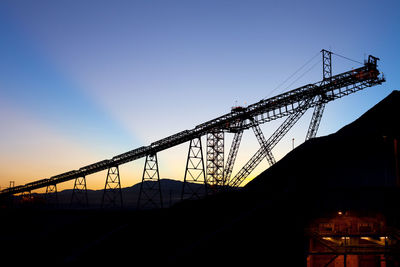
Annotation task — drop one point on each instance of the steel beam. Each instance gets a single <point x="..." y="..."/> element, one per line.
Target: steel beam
<point x="264" y="145"/>
<point x="270" y="143"/>
<point x="232" y="155"/>
<point x="315" y="120"/>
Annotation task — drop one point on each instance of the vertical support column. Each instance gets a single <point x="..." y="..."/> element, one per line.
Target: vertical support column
<point x="194" y="172"/>
<point x="326" y="65"/>
<point x="51" y="194"/>
<point x="112" y="196"/>
<point x="150" y="188"/>
<point x="232" y="155"/>
<point x="215" y="159"/>
<point x="79" y="193"/>
<point x="319" y="109"/>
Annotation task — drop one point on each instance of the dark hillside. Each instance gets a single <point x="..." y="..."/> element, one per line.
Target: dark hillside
<point x="355" y="169"/>
<point x="361" y="154"/>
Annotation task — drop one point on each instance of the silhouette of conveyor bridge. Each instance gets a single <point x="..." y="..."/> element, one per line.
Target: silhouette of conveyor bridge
<point x="216" y="173"/>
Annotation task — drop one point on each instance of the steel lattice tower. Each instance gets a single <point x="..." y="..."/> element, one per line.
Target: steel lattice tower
<point x="194" y="172"/>
<point x="150" y="189"/>
<point x="322" y="99"/>
<point x="79" y="193"/>
<point x="215" y="159"/>
<point x="112" y="195"/>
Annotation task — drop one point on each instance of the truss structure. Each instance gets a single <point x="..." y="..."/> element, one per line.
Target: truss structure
<point x="112" y="194"/>
<point x="291" y="104"/>
<point x="232" y="155"/>
<point x="79" y="193"/>
<point x="215" y="159"/>
<point x="319" y="108"/>
<point x="269" y="144"/>
<point x="194" y="182"/>
<point x="150" y="189"/>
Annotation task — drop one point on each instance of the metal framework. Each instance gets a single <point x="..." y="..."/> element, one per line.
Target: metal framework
<point x="319" y="109"/>
<point x="215" y="159"/>
<point x="150" y="189"/>
<point x="194" y="172"/>
<point x="269" y="144"/>
<point x="232" y="155"/>
<point x="264" y="145"/>
<point x="79" y="193"/>
<point x="384" y="245"/>
<point x="291" y="104"/>
<point x="112" y="194"/>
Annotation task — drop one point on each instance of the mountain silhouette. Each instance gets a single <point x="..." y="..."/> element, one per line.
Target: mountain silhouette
<point x="171" y="191"/>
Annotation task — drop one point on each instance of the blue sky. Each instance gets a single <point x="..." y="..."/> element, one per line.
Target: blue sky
<point x="81" y="81"/>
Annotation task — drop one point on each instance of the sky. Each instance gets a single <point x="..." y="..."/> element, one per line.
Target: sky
<point x="83" y="81"/>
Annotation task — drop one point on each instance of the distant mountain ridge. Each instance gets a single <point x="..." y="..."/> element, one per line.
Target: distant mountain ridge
<point x="171" y="191"/>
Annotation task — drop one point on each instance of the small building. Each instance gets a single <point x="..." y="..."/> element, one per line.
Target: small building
<point x="351" y="239"/>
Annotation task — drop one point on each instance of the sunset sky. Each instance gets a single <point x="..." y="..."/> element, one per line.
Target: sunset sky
<point x="82" y="81"/>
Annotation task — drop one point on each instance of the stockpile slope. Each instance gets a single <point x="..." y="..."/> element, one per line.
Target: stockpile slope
<point x="361" y="155"/>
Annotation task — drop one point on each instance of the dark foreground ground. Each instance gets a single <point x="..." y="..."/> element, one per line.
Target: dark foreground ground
<point x="191" y="233"/>
<point x="235" y="228"/>
<point x="356" y="169"/>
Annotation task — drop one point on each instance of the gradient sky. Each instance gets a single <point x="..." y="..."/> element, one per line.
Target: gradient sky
<point x="82" y="81"/>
